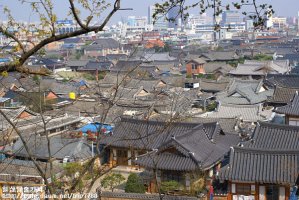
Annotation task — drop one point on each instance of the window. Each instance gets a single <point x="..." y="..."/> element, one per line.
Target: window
<point x="194" y="66"/>
<point x="294" y="123"/>
<point x="272" y="192"/>
<point x="243" y="189"/>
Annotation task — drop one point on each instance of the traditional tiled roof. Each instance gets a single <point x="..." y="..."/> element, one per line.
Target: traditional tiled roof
<point x="249" y="113"/>
<point x="283" y="94"/>
<point x="263" y="166"/>
<point x="72" y="40"/>
<point x="36" y="126"/>
<point x="220" y="56"/>
<point x="199" y="148"/>
<point x="212" y="67"/>
<point x="259" y="68"/>
<point x="13" y="113"/>
<point x="116" y="56"/>
<point x="212" y="86"/>
<point x="143" y="196"/>
<point x="167" y="161"/>
<point x="106" y="43"/>
<point x="255" y="85"/>
<point x="289" y="81"/>
<point x="95" y="65"/>
<point x="158" y="57"/>
<point x="271" y="156"/>
<point x="78" y="149"/>
<point x="274" y="136"/>
<point x="149" y="84"/>
<point x="143" y="134"/>
<point x="57" y="87"/>
<point x="227" y="124"/>
<point x="197" y="60"/>
<point x="292" y="108"/>
<point x="17" y="169"/>
<point x="77" y="63"/>
<point x="126" y="66"/>
<point x="245" y="92"/>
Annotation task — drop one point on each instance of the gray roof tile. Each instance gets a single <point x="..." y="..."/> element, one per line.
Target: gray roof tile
<point x="249" y="113"/>
<point x="292" y="108"/>
<point x="263" y="166"/>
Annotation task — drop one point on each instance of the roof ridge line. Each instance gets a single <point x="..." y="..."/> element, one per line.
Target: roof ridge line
<point x="260" y="150"/>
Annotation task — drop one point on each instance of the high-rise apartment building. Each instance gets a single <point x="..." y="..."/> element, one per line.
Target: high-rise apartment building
<point x="174" y="17"/>
<point x="160" y="23"/>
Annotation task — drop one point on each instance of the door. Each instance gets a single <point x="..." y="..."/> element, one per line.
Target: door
<point x="262" y="193"/>
<point x="272" y="192"/>
<point x="122" y="157"/>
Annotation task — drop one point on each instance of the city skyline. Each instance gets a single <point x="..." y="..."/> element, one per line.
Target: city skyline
<point x="139" y="9"/>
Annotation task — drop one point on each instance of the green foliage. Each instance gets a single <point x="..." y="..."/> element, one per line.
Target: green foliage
<point x="88" y="43"/>
<point x="210" y="76"/>
<point x="168" y="186"/>
<point x="87" y="177"/>
<point x="188" y="76"/>
<point x="200" y="76"/>
<point x="236" y="62"/>
<point x="78" y="55"/>
<point x="4" y="73"/>
<point x="134" y="184"/>
<point x="262" y="57"/>
<point x="36" y="78"/>
<point x="56" y="183"/>
<point x="72" y="168"/>
<point x="89" y="77"/>
<point x="212" y="106"/>
<point x="65" y="80"/>
<point x="112" y="180"/>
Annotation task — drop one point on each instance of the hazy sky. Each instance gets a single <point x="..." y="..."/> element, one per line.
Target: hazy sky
<point x="22" y="12"/>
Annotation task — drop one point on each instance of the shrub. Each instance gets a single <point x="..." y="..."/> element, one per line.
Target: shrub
<point x="168" y="186"/>
<point x="200" y="75"/>
<point x="134" y="184"/>
<point x="112" y="180"/>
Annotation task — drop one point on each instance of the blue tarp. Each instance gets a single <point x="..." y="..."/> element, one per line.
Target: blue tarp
<point x="293" y="193"/>
<point x="80" y="83"/>
<point x="96" y="127"/>
<point x="4" y="60"/>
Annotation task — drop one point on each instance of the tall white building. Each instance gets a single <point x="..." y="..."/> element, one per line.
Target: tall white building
<point x="161" y="23"/>
<point x="137" y="21"/>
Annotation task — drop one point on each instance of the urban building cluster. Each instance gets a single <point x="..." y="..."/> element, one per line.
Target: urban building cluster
<point x="214" y="113"/>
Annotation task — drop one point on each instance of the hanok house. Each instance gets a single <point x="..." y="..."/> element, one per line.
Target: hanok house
<point x="259" y="69"/>
<point x="126" y="143"/>
<point x="291" y="111"/>
<point x="34" y="99"/>
<point x="179" y="151"/>
<point x="20" y="178"/>
<point x="285" y="87"/>
<point x="61" y="146"/>
<point x="245" y="92"/>
<point x="29" y="123"/>
<point x="102" y="47"/>
<point x="195" y="67"/>
<point x="266" y="166"/>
